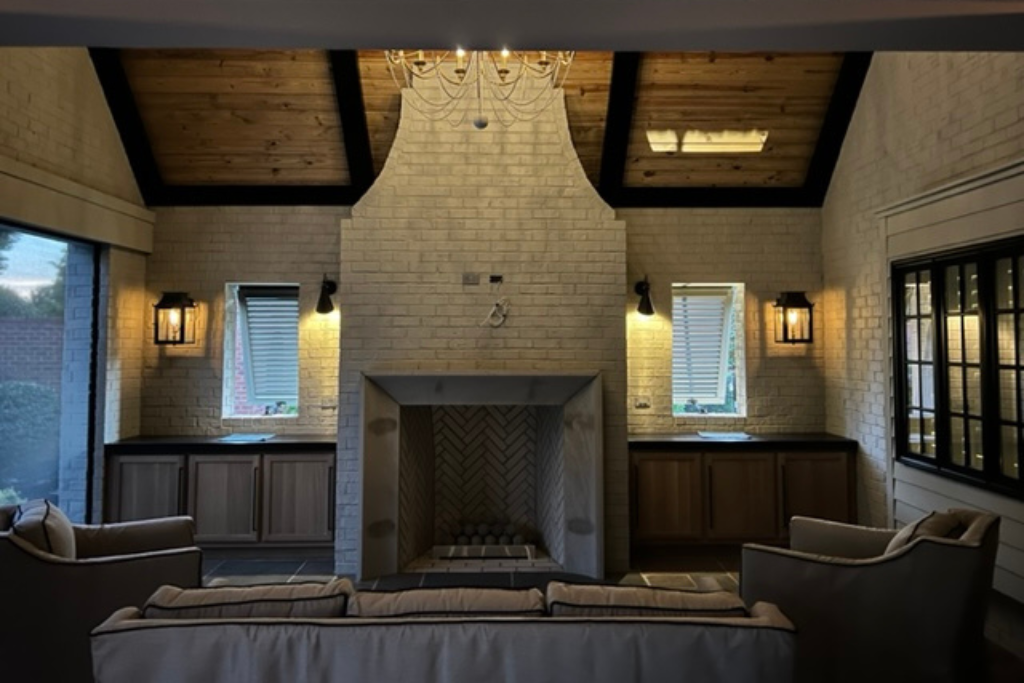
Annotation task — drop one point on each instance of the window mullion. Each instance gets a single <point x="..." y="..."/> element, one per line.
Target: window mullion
<point x="989" y="357"/>
<point x="941" y="367"/>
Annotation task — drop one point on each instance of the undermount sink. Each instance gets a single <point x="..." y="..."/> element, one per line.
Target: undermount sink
<point x="724" y="436"/>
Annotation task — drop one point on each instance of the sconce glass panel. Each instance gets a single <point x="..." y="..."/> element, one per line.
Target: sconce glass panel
<point x="174" y="319"/>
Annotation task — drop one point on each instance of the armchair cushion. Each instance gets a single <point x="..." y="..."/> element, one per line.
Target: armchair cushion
<point x="566" y="599"/>
<point x="47" y="528"/>
<point x="934" y="525"/>
<point x="297" y="600"/>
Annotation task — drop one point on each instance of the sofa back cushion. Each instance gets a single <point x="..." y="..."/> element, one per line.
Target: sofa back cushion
<point x="280" y="601"/>
<point x="934" y="524"/>
<point x="42" y="524"/>
<point x="448" y="602"/>
<point x="573" y="600"/>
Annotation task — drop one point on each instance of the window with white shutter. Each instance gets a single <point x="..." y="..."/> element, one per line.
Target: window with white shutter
<point x="262" y="351"/>
<point x="707" y="358"/>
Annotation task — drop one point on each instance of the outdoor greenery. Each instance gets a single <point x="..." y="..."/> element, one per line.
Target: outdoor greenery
<point x="29" y="438"/>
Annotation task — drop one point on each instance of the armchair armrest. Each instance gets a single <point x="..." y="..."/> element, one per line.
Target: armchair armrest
<point x="823" y="537"/>
<point x="127" y="538"/>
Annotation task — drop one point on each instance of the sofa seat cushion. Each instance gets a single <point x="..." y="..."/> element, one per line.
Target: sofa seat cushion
<point x="281" y="601"/>
<point x="42" y="524"/>
<point x="934" y="525"/>
<point x="448" y="602"/>
<point x="572" y="600"/>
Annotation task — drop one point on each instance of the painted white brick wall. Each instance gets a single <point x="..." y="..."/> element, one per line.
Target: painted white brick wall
<point x="199" y="250"/>
<point x="53" y="116"/>
<point x="769" y="251"/>
<point x="506" y="201"/>
<point x="126" y="334"/>
<point x="923" y="119"/>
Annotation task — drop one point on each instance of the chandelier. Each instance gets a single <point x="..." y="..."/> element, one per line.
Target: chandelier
<point x="452" y="86"/>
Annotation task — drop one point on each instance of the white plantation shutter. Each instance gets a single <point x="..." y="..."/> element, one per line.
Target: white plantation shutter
<point x="701" y="322"/>
<point x="270" y="336"/>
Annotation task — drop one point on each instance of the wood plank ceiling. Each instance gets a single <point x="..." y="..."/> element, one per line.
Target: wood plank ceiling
<point x="784" y="94"/>
<point x="239" y="117"/>
<point x="270" y="118"/>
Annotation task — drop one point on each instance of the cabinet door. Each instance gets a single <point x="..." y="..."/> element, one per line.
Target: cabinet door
<point x="741" y="495"/>
<point x="667" y="496"/>
<point x="815" y="485"/>
<point x="145" y="487"/>
<point x="224" y="497"/>
<point x="297" y="499"/>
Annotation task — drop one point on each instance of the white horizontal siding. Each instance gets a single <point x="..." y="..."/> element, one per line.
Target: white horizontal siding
<point x="917" y="493"/>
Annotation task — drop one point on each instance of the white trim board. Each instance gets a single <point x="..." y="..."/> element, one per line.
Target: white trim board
<point x="974" y="210"/>
<point x="37" y="198"/>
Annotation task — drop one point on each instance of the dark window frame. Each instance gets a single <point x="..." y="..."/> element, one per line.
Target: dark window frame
<point x="985" y="256"/>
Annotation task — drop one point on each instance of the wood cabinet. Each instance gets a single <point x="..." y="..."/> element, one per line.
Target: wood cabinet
<point x="224" y="497"/>
<point x="298" y="497"/>
<point x="145" y="487"/>
<point x="741" y="498"/>
<point x="668" y="497"/>
<point x="262" y="493"/>
<point x="816" y="485"/>
<point x="685" y="490"/>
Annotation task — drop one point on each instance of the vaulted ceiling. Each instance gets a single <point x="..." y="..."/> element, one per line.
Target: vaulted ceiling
<point x="315" y="126"/>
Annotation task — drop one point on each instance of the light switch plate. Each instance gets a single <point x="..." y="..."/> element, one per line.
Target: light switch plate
<point x="469" y="279"/>
<point x="642" y="402"/>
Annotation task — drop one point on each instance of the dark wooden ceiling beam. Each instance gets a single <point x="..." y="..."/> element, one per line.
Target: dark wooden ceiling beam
<point x="259" y="195"/>
<point x="837" y="121"/>
<point x="348" y="90"/>
<point x="121" y="102"/>
<point x="618" y="123"/>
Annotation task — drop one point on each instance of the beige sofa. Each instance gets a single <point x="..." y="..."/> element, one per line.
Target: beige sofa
<point x="882" y="605"/>
<point x="60" y="580"/>
<point x="574" y="633"/>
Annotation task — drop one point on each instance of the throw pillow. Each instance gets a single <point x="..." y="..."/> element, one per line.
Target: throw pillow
<point x="566" y="599"/>
<point x="282" y="601"/>
<point x="448" y="602"/>
<point x="42" y="524"/>
<point x="934" y="524"/>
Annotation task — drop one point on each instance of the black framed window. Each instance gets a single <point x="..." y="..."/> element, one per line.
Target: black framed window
<point x="959" y="365"/>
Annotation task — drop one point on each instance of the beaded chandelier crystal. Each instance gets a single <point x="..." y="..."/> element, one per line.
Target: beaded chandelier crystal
<point x="453" y="86"/>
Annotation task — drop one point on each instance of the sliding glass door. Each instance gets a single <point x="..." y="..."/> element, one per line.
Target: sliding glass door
<point x="46" y="368"/>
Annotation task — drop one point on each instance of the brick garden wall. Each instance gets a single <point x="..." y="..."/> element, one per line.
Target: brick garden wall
<point x="32" y="350"/>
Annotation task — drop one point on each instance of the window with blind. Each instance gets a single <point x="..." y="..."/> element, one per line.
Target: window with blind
<point x="262" y="351"/>
<point x="707" y="349"/>
<point x="959" y="368"/>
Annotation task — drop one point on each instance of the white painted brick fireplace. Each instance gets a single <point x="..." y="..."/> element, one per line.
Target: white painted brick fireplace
<point x="513" y="202"/>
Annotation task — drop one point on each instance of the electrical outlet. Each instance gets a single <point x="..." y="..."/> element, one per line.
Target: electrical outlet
<point x="470" y="279"/>
<point x="497" y="279"/>
<point x="642" y="403"/>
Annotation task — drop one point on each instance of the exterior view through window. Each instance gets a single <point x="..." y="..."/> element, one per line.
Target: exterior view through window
<point x="708" y="374"/>
<point x="261" y="359"/>
<point x="45" y="359"/>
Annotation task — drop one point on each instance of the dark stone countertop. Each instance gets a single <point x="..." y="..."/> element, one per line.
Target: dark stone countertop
<point x="164" y="445"/>
<point x="757" y="442"/>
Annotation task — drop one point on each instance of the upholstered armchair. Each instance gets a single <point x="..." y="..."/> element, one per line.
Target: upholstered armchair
<point x="58" y="581"/>
<point x="880" y="605"/>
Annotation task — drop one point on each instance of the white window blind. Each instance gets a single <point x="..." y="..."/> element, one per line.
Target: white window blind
<point x="269" y="317"/>
<point x="701" y="325"/>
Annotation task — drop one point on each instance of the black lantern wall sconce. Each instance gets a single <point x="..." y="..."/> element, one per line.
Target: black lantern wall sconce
<point x="643" y="289"/>
<point x="324" y="305"/>
<point x="174" y="319"/>
<point x="794" y="319"/>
